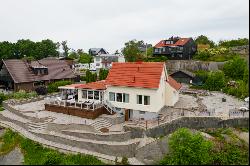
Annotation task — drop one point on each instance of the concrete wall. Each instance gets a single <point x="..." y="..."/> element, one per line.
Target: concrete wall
<point x="192" y="65"/>
<point x="60" y="127"/>
<point x="188" y="122"/>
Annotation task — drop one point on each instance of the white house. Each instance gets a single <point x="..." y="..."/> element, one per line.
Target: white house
<point x="104" y="61"/>
<point x="139" y="90"/>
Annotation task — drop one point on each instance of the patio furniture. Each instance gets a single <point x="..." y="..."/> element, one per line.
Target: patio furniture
<point x="71" y="101"/>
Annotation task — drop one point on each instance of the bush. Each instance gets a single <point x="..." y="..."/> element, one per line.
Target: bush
<point x="215" y="81"/>
<point x="235" y="68"/>
<point x="41" y="90"/>
<point x="2" y="97"/>
<point x="53" y="87"/>
<point x="188" y="149"/>
<point x="124" y="161"/>
<point x="103" y="73"/>
<point x="234" y="43"/>
<point x="90" y="77"/>
<point x="21" y="95"/>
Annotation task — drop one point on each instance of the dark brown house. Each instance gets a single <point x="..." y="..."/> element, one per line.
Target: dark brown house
<point x="26" y="75"/>
<point x="176" y="48"/>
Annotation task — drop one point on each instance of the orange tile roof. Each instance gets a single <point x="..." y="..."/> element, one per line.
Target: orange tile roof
<point x="98" y="85"/>
<point x="135" y="74"/>
<point x="173" y="83"/>
<point x="180" y="42"/>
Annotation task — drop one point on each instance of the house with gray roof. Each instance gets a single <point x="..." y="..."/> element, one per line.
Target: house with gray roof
<point x="27" y="75"/>
<point x="97" y="51"/>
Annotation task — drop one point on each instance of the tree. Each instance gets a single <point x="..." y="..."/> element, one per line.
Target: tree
<point x="85" y="58"/>
<point x="65" y="48"/>
<point x="188" y="149"/>
<point x="73" y="55"/>
<point x="234" y="43"/>
<point x="204" y="40"/>
<point x="7" y="50"/>
<point x="131" y="51"/>
<point x="103" y="73"/>
<point x="215" y="81"/>
<point x="25" y="48"/>
<point x="46" y="48"/>
<point x="235" y="68"/>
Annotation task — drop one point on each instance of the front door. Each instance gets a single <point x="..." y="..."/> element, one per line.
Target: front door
<point x="126" y="114"/>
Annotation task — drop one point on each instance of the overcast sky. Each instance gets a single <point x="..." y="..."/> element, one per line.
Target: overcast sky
<point x="110" y="23"/>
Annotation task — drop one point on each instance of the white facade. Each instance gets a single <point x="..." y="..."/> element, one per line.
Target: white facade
<point x="109" y="58"/>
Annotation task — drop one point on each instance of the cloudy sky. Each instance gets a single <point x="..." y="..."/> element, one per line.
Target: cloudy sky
<point x="110" y="23"/>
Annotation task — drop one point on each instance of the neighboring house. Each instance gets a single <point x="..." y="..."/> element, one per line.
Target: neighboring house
<point x="176" y="48"/>
<point x="28" y="75"/>
<point x="138" y="90"/>
<point x="104" y="61"/>
<point x="187" y="77"/>
<point x="97" y="51"/>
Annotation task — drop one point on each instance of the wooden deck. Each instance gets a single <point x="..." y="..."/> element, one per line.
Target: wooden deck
<point x="76" y="111"/>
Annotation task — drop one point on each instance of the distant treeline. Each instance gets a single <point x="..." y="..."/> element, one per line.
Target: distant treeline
<point x="29" y="49"/>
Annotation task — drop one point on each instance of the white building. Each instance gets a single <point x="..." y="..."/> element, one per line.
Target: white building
<point x="104" y="61"/>
<point x="139" y="90"/>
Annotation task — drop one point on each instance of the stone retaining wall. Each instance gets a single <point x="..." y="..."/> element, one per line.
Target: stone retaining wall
<point x="117" y="137"/>
<point x="120" y="150"/>
<point x="188" y="122"/>
<point x="84" y="113"/>
<point x="59" y="127"/>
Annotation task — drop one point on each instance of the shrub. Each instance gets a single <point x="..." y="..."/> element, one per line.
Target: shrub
<point x="2" y="97"/>
<point x="90" y="77"/>
<point x="53" y="87"/>
<point x="22" y="95"/>
<point x="236" y="68"/>
<point x="215" y="81"/>
<point x="103" y="73"/>
<point x="41" y="90"/>
<point x="233" y="43"/>
<point x="188" y="149"/>
<point x="124" y="161"/>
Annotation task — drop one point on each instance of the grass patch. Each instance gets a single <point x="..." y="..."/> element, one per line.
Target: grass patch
<point x="36" y="154"/>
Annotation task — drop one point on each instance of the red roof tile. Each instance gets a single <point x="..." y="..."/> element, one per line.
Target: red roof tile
<point x="98" y="85"/>
<point x="173" y="83"/>
<point x="180" y="42"/>
<point x="134" y="74"/>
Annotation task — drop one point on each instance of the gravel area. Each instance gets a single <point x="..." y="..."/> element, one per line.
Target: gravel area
<point x="214" y="102"/>
<point x="186" y="101"/>
<point x="33" y="106"/>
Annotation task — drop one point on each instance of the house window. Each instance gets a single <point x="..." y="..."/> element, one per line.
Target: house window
<point x="139" y="99"/>
<point x="156" y="49"/>
<point x="163" y="49"/>
<point x="111" y="96"/>
<point x="146" y="100"/>
<point x="90" y="95"/>
<point x="181" y="48"/>
<point x="141" y="112"/>
<point x="125" y="98"/>
<point x="96" y="95"/>
<point x="97" y="59"/>
<point x="39" y="83"/>
<point x="84" y="94"/>
<point x="97" y="64"/>
<point x="119" y="97"/>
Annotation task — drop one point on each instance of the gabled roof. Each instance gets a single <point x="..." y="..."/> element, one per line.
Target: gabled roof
<point x="19" y="70"/>
<point x="135" y="74"/>
<point x="98" y="85"/>
<point x="96" y="50"/>
<point x="180" y="42"/>
<point x="173" y="83"/>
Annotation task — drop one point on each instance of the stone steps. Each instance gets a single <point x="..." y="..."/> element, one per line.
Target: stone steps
<point x="101" y="123"/>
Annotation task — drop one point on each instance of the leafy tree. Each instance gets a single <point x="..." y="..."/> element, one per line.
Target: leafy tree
<point x="234" y="43"/>
<point x="25" y="48"/>
<point x="65" y="48"/>
<point x="73" y="55"/>
<point x="235" y="68"/>
<point x="188" y="149"/>
<point x="204" y="40"/>
<point x="53" y="87"/>
<point x="7" y="50"/>
<point x="90" y="77"/>
<point x="103" y="73"/>
<point x="131" y="51"/>
<point x="46" y="48"/>
<point x="215" y="81"/>
<point x="85" y="58"/>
